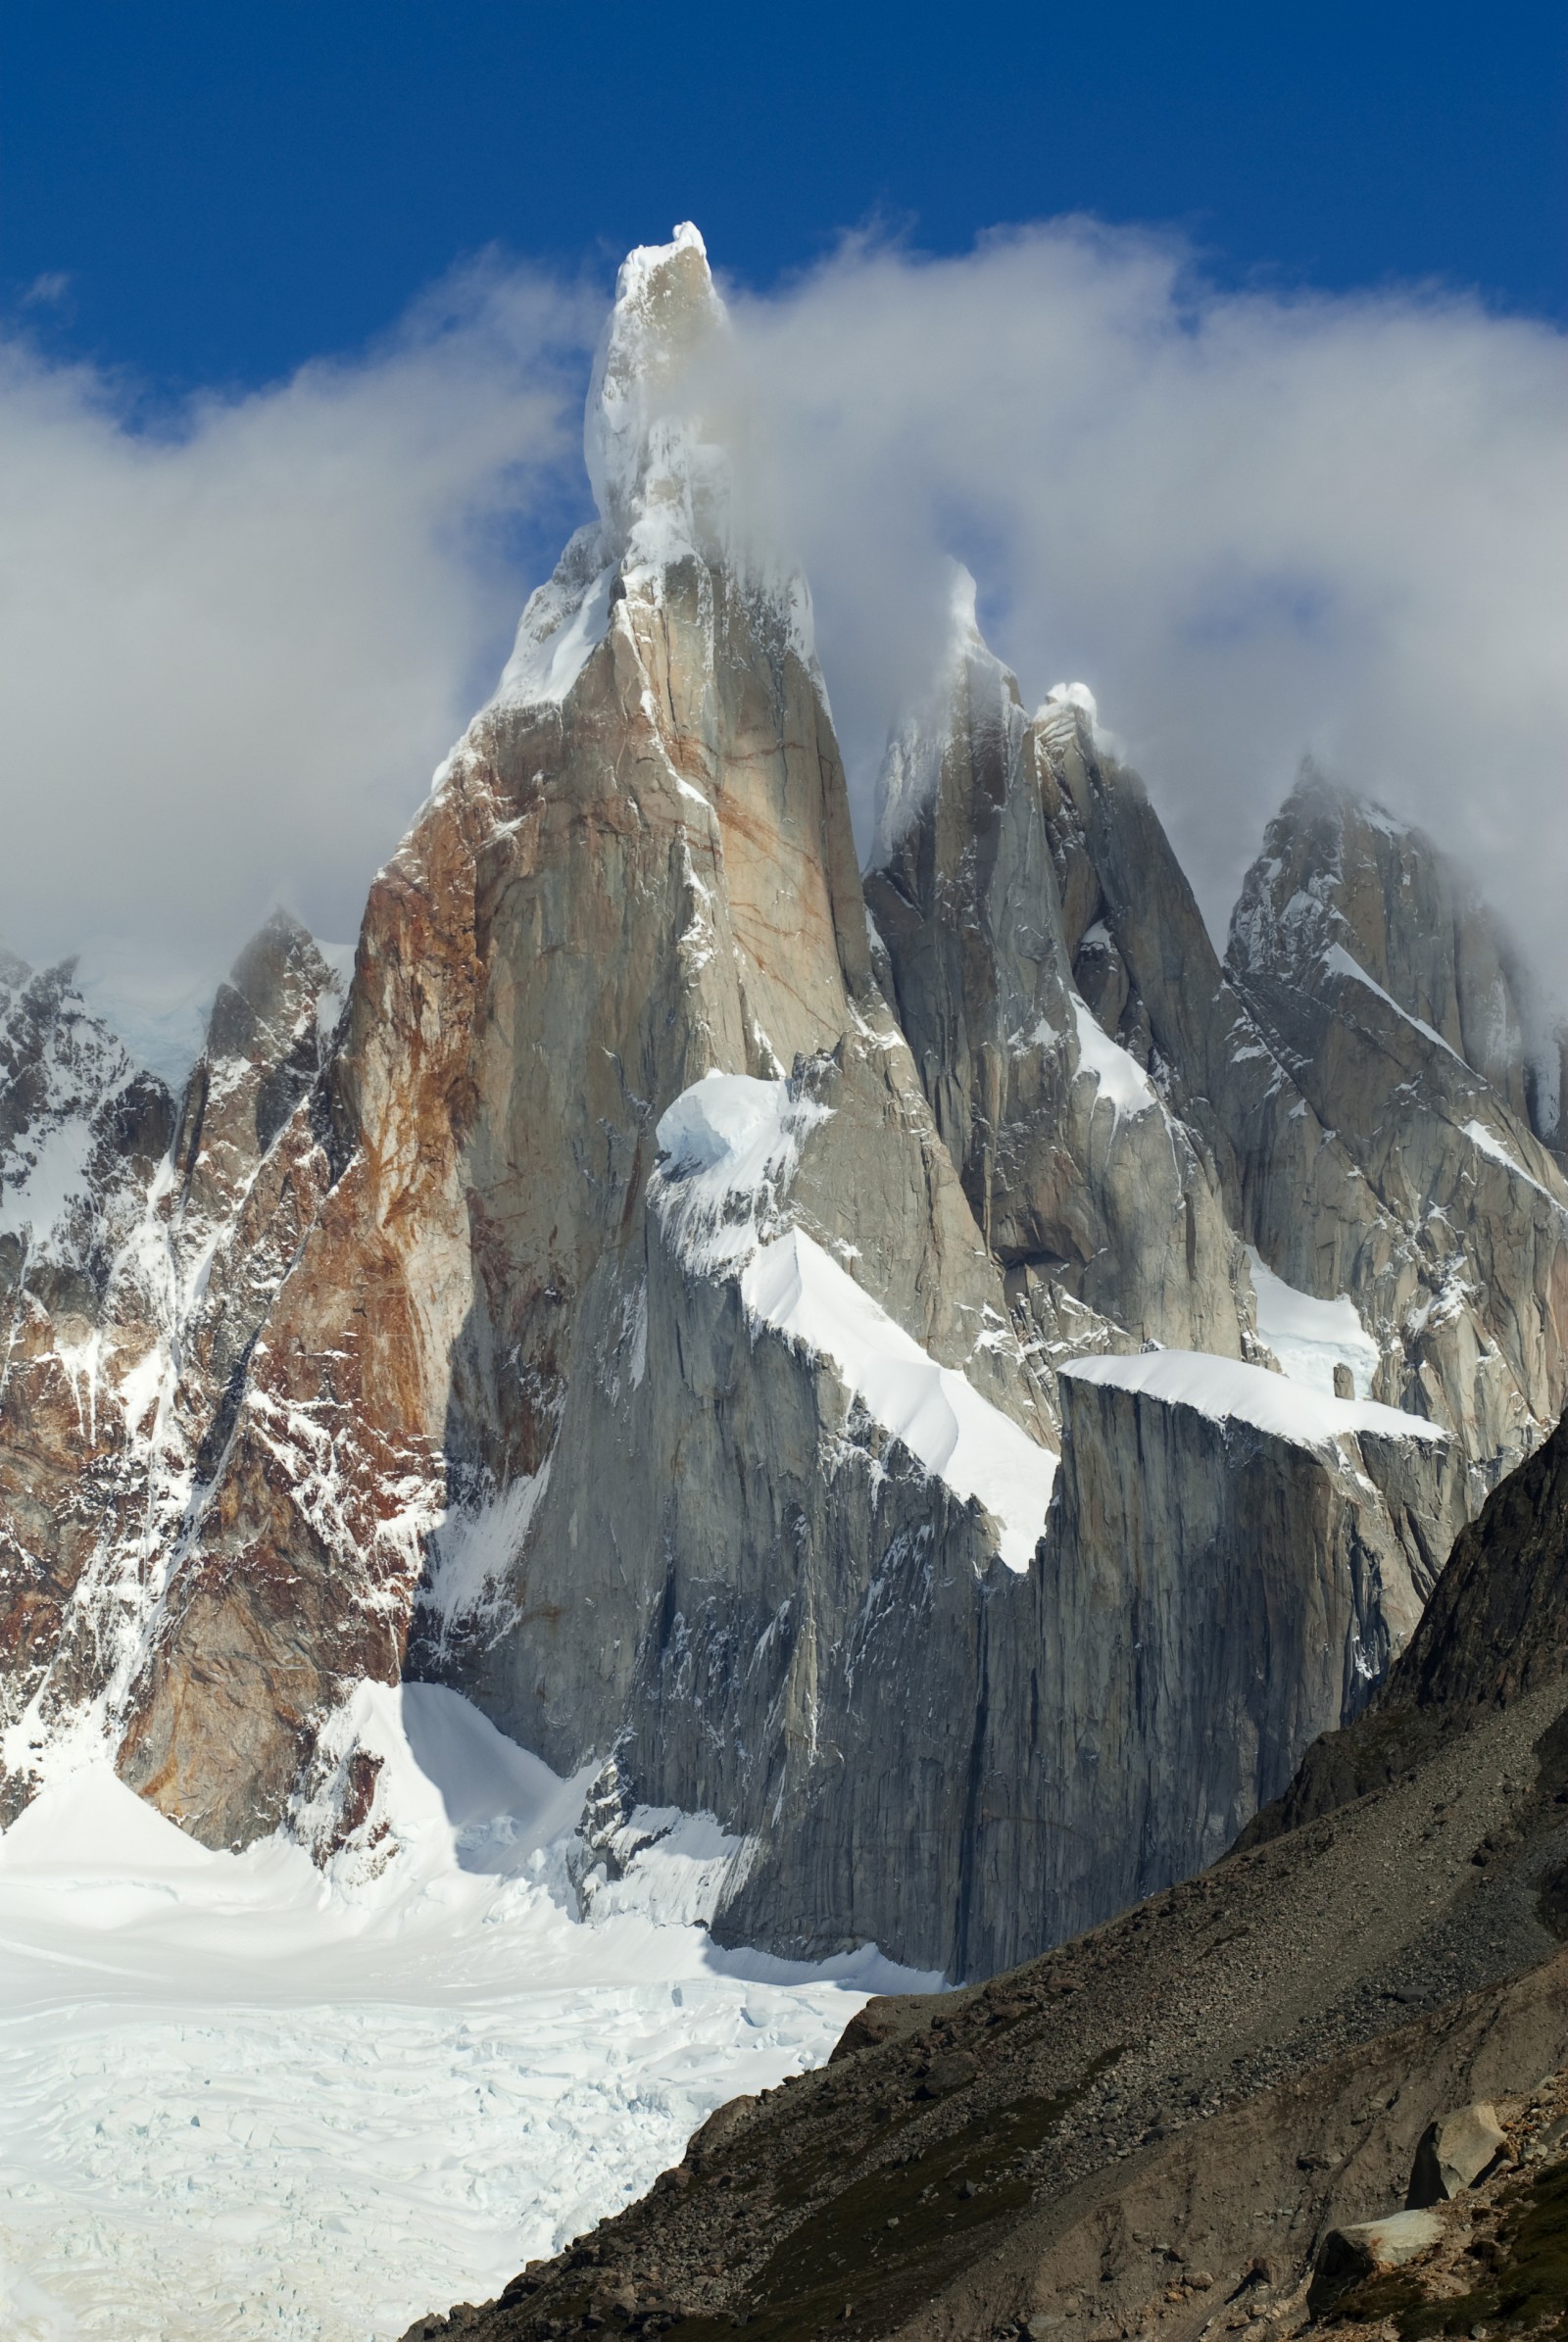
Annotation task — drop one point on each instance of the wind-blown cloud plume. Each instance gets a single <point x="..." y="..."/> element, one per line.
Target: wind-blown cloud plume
<point x="1258" y="523"/>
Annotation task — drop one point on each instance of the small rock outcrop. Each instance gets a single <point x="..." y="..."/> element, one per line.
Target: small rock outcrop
<point x="1369" y="2249"/>
<point x="1459" y="2150"/>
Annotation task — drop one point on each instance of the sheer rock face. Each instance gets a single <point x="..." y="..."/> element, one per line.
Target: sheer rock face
<point x="1181" y="1652"/>
<point x="506" y="1423"/>
<point x="1373" y="973"/>
<point x="700" y="1431"/>
<point x="1034" y="1040"/>
<point x="1030" y="902"/>
<point x="1349" y="1094"/>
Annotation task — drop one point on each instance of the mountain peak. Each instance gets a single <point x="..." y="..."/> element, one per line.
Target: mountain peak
<point x="640" y="442"/>
<point x="1319" y="795"/>
<point x="660" y="472"/>
<point x="968" y="671"/>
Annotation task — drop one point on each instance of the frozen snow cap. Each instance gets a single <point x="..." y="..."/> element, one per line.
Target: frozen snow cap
<point x="635" y="430"/>
<point x="1070" y="695"/>
<point x="662" y="476"/>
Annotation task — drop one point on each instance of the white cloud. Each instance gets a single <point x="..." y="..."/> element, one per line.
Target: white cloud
<point x="235" y="646"/>
<point x="1254" y="523"/>
<point x="48" y="291"/>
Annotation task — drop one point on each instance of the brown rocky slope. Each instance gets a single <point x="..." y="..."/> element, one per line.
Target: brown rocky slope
<point x="1154" y="2127"/>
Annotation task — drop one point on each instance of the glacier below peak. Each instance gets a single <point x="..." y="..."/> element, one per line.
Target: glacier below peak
<point x="235" y="2094"/>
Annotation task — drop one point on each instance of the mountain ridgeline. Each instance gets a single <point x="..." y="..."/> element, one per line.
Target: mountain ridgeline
<point x="805" y="1343"/>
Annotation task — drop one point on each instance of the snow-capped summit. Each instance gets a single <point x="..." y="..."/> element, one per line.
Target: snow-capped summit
<point x="648" y="464"/>
<point x="659" y="485"/>
<point x="1063" y="698"/>
<point x="969" y="674"/>
<point x="661" y="478"/>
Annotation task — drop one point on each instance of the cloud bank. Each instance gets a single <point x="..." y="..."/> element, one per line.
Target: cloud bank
<point x="1258" y="523"/>
<point x="235" y="643"/>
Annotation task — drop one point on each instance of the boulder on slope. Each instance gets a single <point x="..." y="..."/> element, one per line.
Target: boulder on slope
<point x="1456" y="2151"/>
<point x="1369" y="2249"/>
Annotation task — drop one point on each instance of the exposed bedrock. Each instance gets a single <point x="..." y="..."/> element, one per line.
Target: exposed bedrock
<point x="1349" y="1094"/>
<point x="1379" y="981"/>
<point x="1208" y="1591"/>
<point x="611" y="895"/>
<point x="146" y="1240"/>
<point x="1036" y="1047"/>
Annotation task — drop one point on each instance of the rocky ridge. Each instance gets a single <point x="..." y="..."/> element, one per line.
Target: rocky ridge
<point x="710" y="1330"/>
<point x="144" y="1240"/>
<point x="1371" y="969"/>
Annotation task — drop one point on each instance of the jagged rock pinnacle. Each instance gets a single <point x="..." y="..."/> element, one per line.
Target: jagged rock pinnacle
<point x="638" y="438"/>
<point x="662" y="476"/>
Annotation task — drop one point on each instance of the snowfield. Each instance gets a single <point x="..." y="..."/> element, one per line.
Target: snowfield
<point x="242" y="2099"/>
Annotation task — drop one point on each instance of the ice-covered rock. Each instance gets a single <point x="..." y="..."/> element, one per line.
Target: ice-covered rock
<point x="146" y="1240"/>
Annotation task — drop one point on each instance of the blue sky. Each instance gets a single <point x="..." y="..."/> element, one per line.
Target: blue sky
<point x="230" y="190"/>
<point x="1227" y="346"/>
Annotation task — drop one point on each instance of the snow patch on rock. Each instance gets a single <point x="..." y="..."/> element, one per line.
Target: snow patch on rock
<point x="731" y="1143"/>
<point x="794" y="1286"/>
<point x="46" y="1178"/>
<point x="563" y="623"/>
<point x="473" y="1551"/>
<point x="1064" y="708"/>
<point x="1310" y="1337"/>
<point x="1071" y="695"/>
<point x="1486" y="1142"/>
<point x="1226" y="1391"/>
<point x="1123" y="1083"/>
<point x="1338" y="962"/>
